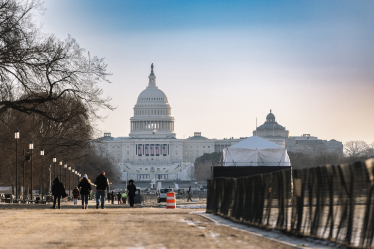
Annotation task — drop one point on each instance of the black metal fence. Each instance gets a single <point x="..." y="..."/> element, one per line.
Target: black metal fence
<point x="332" y="202"/>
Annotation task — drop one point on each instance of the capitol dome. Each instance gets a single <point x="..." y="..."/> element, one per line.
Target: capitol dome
<point x="152" y="94"/>
<point x="152" y="113"/>
<point x="270" y="117"/>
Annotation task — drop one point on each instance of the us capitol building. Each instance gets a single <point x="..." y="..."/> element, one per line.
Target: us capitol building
<point x="152" y="151"/>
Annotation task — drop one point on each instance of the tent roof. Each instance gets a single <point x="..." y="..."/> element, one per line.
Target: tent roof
<point x="256" y="143"/>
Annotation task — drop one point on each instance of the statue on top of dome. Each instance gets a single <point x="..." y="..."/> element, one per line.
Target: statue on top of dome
<point x="152" y="68"/>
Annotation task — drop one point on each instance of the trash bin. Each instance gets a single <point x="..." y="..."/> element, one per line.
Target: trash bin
<point x="137" y="198"/>
<point x="8" y="198"/>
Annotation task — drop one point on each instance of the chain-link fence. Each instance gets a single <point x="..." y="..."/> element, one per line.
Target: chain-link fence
<point x="332" y="202"/>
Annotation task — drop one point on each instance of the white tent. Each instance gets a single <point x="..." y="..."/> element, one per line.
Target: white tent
<point x="255" y="151"/>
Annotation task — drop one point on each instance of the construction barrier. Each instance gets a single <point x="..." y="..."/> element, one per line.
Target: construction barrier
<point x="331" y="202"/>
<point x="170" y="200"/>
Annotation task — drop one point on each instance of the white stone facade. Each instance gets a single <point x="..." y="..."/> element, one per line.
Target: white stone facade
<point x="152" y="151"/>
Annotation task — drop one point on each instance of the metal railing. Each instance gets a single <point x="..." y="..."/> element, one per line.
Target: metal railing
<point x="332" y="202"/>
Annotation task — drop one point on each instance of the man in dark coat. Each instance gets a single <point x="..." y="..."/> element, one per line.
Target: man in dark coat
<point x="85" y="185"/>
<point x="119" y="197"/>
<point x="102" y="184"/>
<point x="189" y="194"/>
<point x="132" y="189"/>
<point x="112" y="196"/>
<point x="108" y="197"/>
<point x="58" y="190"/>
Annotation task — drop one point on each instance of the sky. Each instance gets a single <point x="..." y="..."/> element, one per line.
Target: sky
<point x="224" y="64"/>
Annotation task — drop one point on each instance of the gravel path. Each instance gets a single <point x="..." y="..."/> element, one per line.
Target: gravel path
<point x="117" y="226"/>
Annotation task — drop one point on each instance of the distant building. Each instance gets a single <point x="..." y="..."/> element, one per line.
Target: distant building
<point x="274" y="132"/>
<point x="151" y="151"/>
<point x="312" y="145"/>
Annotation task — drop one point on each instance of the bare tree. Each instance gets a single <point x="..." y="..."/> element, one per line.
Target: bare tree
<point x="370" y="150"/>
<point x="355" y="148"/>
<point x="37" y="69"/>
<point x="203" y="165"/>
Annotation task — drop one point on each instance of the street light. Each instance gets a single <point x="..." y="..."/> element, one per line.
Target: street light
<point x="60" y="163"/>
<point x="54" y="164"/>
<point x="66" y="167"/>
<point x="76" y="174"/>
<point x="72" y="170"/>
<point x="16" y="136"/>
<point x="31" y="148"/>
<point x="42" y="154"/>
<point x="69" y="181"/>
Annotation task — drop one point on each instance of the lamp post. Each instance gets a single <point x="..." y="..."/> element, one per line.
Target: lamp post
<point x="60" y="163"/>
<point x="50" y="184"/>
<point x="16" y="136"/>
<point x="76" y="174"/>
<point x="54" y="162"/>
<point x="69" y="169"/>
<point x="42" y="154"/>
<point x="73" y="171"/>
<point x="66" y="170"/>
<point x="31" y="148"/>
<point x="23" y="178"/>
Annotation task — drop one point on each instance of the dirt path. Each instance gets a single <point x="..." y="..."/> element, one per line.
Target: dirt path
<point x="115" y="227"/>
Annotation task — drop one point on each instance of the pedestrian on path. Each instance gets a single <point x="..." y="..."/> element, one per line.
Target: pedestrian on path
<point x="119" y="197"/>
<point x="124" y="197"/>
<point x="58" y="190"/>
<point x="132" y="189"/>
<point x="109" y="197"/>
<point x="85" y="186"/>
<point x="112" y="196"/>
<point x="102" y="185"/>
<point x="189" y="195"/>
<point x="75" y="195"/>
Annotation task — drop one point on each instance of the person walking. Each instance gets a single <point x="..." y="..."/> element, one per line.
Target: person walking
<point x="58" y="190"/>
<point x="131" y="191"/>
<point x="189" y="194"/>
<point x="102" y="185"/>
<point x="112" y="197"/>
<point x="109" y="197"/>
<point x="75" y="195"/>
<point x="119" y="197"/>
<point x="85" y="186"/>
<point x="124" y="197"/>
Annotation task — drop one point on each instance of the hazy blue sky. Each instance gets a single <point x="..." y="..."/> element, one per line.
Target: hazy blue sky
<point x="222" y="64"/>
